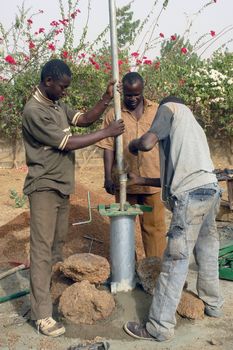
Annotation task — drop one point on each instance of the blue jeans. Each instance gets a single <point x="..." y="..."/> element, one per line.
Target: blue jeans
<point x="192" y="230"/>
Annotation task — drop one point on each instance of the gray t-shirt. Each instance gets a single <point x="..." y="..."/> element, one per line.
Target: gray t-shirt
<point x="185" y="161"/>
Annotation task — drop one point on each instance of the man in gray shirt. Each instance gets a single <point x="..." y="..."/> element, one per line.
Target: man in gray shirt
<point x="191" y="192"/>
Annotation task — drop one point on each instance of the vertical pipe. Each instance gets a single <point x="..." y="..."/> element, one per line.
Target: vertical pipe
<point x="117" y="102"/>
<point x="122" y="253"/>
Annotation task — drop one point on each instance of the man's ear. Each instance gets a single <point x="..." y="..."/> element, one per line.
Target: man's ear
<point x="48" y="81"/>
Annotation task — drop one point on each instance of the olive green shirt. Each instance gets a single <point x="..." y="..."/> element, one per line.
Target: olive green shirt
<point x="46" y="130"/>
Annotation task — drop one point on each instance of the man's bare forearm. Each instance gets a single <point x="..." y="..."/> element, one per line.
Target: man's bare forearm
<point x="94" y="114"/>
<point x="81" y="141"/>
<point x="148" y="181"/>
<point x="108" y="163"/>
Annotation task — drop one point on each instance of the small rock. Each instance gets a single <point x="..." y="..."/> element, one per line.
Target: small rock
<point x="86" y="266"/>
<point x="83" y="303"/>
<point x="215" y="342"/>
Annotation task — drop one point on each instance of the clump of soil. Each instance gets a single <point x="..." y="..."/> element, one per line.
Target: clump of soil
<point x="59" y="283"/>
<point x="83" y="303"/>
<point x="191" y="306"/>
<point x="86" y="266"/>
<point x="148" y="270"/>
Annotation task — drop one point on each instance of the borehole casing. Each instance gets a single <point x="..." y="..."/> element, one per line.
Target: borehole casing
<point x="122" y="253"/>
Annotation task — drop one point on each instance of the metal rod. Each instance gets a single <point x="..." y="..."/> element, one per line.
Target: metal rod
<point x="15" y="295"/>
<point x="89" y="211"/>
<point x="117" y="102"/>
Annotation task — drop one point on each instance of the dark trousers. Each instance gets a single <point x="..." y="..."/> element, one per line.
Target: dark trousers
<point x="49" y="212"/>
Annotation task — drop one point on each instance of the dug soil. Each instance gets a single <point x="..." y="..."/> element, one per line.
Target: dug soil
<point x="91" y="235"/>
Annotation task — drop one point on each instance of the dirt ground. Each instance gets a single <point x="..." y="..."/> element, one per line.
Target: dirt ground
<point x="17" y="333"/>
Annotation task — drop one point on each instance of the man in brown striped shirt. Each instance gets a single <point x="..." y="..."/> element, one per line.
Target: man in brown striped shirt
<point x="49" y="146"/>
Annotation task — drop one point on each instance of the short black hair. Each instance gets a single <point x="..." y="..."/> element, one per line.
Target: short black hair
<point x="171" y="99"/>
<point x="131" y="78"/>
<point x="55" y="69"/>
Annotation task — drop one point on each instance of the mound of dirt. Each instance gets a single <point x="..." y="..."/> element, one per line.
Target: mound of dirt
<point x="86" y="266"/>
<point x="14" y="231"/>
<point x="191" y="306"/>
<point x="83" y="303"/>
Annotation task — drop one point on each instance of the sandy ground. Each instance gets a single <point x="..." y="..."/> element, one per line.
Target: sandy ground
<point x="16" y="331"/>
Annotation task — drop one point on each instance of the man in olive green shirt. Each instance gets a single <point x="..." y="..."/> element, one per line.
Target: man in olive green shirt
<point x="49" y="147"/>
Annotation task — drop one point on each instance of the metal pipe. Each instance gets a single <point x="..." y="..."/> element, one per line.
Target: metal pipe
<point x="122" y="253"/>
<point x="117" y="102"/>
<point x="15" y="295"/>
<point x="89" y="211"/>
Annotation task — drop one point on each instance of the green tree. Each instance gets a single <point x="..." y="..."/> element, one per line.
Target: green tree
<point x="126" y="26"/>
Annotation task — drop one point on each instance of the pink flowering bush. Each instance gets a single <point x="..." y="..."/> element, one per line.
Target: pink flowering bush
<point x="178" y="69"/>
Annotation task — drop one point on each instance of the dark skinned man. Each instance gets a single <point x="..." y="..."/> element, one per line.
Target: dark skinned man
<point x="138" y="114"/>
<point x="50" y="147"/>
<point x="191" y="192"/>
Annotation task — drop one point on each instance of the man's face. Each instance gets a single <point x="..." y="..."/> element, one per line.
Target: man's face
<point x="133" y="94"/>
<point x="56" y="89"/>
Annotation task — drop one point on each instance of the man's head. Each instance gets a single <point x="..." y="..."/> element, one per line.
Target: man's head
<point x="133" y="86"/>
<point x="55" y="79"/>
<point x="171" y="98"/>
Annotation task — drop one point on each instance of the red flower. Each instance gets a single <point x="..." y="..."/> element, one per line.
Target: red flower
<point x="108" y="65"/>
<point x="41" y="30"/>
<point x="58" y="31"/>
<point x="9" y="59"/>
<point x="26" y="58"/>
<point x="161" y="35"/>
<point x="65" y="54"/>
<point x="135" y="54"/>
<point x="74" y="14"/>
<point x="173" y="37"/>
<point x="51" y="47"/>
<point x="181" y="82"/>
<point x="120" y="62"/>
<point x="29" y="21"/>
<point x="184" y="50"/>
<point x="138" y="62"/>
<point x="90" y="59"/>
<point x="83" y="55"/>
<point x="157" y="65"/>
<point x="54" y="23"/>
<point x="97" y="66"/>
<point x="64" y="21"/>
<point x="2" y="98"/>
<point x="149" y="62"/>
<point x="31" y="45"/>
<point x="212" y="33"/>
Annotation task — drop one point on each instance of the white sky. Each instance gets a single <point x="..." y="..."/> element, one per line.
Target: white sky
<point x="216" y="17"/>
